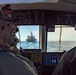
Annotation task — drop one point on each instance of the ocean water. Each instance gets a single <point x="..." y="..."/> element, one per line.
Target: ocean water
<point x="30" y="45"/>
<point x="52" y="46"/>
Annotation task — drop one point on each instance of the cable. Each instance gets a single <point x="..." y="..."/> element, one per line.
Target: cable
<point x="69" y="1"/>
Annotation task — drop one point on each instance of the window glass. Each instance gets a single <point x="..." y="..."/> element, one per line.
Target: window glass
<point x="67" y="41"/>
<point x="29" y="37"/>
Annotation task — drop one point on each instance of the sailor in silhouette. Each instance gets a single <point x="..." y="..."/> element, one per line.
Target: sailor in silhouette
<point x="10" y="63"/>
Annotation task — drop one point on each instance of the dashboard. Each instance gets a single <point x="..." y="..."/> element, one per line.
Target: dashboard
<point x="49" y="61"/>
<point x="45" y="62"/>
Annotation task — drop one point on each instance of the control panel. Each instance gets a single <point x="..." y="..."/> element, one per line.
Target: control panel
<point x="45" y="62"/>
<point x="51" y="58"/>
<point x="49" y="61"/>
<point x="35" y="56"/>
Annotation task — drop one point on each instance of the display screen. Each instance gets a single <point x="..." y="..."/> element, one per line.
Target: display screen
<point x="34" y="55"/>
<point x="49" y="59"/>
<point x="54" y="61"/>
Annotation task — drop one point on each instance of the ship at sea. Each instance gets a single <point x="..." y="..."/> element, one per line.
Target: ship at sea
<point x="31" y="38"/>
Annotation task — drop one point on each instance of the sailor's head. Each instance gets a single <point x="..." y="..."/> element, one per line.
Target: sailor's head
<point x="7" y="34"/>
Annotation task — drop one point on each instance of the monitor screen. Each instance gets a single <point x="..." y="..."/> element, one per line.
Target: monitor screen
<point x="49" y="59"/>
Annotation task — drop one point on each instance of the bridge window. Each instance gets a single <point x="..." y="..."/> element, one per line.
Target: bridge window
<point x="55" y="43"/>
<point x="29" y="37"/>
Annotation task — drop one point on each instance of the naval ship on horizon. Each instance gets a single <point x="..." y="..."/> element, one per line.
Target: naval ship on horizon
<point x="31" y="38"/>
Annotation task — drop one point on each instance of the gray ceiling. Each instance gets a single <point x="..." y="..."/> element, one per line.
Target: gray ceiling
<point x="61" y="6"/>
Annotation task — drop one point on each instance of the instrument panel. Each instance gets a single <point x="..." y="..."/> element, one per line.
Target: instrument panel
<point x="51" y="58"/>
<point x="45" y="62"/>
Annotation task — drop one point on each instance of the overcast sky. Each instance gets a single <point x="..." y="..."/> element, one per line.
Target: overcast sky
<point x="68" y="34"/>
<point x="26" y="30"/>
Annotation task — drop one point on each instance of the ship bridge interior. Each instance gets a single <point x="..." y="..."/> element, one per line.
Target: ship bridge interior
<point x="48" y="17"/>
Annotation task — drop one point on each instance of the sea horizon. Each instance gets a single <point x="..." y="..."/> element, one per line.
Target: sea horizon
<point x="52" y="46"/>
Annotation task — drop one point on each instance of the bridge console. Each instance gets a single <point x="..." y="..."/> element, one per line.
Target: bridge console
<point x="45" y="62"/>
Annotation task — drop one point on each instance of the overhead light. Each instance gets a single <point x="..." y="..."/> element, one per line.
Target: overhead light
<point x="25" y="1"/>
<point x="52" y="1"/>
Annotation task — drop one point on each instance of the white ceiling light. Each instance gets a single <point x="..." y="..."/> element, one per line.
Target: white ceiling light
<point x="52" y="1"/>
<point x="25" y="1"/>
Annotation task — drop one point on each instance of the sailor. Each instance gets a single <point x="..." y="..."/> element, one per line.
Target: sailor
<point x="10" y="63"/>
<point x="67" y="64"/>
